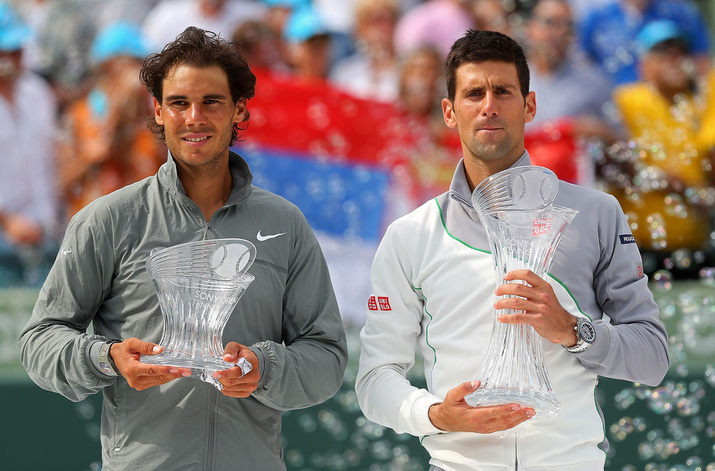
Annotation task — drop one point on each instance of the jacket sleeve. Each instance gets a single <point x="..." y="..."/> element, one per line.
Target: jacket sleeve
<point x="631" y="342"/>
<point x="55" y="344"/>
<point x="389" y="345"/>
<point x="307" y="367"/>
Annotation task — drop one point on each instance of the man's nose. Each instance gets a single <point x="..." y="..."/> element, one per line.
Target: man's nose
<point x="195" y="115"/>
<point x="489" y="107"/>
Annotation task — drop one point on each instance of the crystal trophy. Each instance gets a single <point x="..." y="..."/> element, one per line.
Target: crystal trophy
<point x="198" y="285"/>
<point x="516" y="208"/>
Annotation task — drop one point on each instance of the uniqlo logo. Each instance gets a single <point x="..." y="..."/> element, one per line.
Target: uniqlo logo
<point x="372" y="303"/>
<point x="541" y="226"/>
<point x="384" y="302"/>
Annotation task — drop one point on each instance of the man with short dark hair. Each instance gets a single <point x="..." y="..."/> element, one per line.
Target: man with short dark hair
<point x="433" y="272"/>
<point x="287" y="323"/>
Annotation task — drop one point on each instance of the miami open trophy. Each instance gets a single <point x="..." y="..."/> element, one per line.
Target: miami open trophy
<point x="198" y="285"/>
<point x="516" y="208"/>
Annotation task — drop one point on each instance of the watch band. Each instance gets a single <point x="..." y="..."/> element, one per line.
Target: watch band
<point x="583" y="344"/>
<point x="106" y="365"/>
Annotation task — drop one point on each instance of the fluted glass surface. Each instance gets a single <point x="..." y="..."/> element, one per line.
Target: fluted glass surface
<point x="524" y="227"/>
<point x="198" y="285"/>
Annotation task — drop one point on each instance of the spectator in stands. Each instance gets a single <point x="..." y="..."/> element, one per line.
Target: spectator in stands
<point x="169" y="17"/>
<point x="28" y="199"/>
<point x="262" y="45"/>
<point x="307" y="44"/>
<point x="436" y="23"/>
<point x="339" y="17"/>
<point x="608" y="34"/>
<point x="571" y="94"/>
<point x="372" y="71"/>
<point x="491" y="15"/>
<point x="670" y="117"/>
<point x="280" y="10"/>
<point x="104" y="141"/>
<point x="59" y="47"/>
<point x="434" y="148"/>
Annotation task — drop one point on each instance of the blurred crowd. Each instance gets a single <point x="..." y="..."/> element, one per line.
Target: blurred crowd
<point x="623" y="89"/>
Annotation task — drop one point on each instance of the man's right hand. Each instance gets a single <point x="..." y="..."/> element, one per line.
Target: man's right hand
<point x="455" y="415"/>
<point x="127" y="357"/>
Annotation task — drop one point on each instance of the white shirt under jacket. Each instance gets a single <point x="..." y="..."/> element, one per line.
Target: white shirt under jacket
<point x="433" y="286"/>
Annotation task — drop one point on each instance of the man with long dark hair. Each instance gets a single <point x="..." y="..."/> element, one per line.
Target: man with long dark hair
<point x="286" y="325"/>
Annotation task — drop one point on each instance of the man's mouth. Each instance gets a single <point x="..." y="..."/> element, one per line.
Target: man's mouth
<point x="196" y="139"/>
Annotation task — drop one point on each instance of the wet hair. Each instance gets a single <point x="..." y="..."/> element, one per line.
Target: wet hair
<point x="196" y="47"/>
<point x="481" y="46"/>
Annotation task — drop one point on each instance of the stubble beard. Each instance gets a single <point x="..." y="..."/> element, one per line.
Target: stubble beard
<point x="490" y="152"/>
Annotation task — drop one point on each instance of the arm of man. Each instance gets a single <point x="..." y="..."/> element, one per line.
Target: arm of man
<point x="389" y="345"/>
<point x="56" y="349"/>
<point x="308" y="366"/>
<point x="631" y="343"/>
<point x="55" y="345"/>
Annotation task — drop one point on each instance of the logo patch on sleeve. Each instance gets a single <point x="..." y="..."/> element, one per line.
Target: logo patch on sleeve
<point x="384" y="302"/>
<point x="627" y="239"/>
<point x="381" y="303"/>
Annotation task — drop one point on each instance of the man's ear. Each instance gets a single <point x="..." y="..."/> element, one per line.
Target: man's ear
<point x="530" y="107"/>
<point x="448" y="113"/>
<point x="240" y="113"/>
<point x="157" y="112"/>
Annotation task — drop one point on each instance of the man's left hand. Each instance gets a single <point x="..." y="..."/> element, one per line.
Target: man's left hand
<point x="234" y="384"/>
<point x="538" y="305"/>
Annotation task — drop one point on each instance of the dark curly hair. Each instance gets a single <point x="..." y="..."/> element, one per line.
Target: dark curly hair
<point x="481" y="46"/>
<point x="199" y="48"/>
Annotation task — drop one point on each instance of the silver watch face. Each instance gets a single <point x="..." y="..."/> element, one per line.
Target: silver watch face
<point x="586" y="331"/>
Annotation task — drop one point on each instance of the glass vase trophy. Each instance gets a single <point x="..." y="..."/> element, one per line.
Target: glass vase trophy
<point x="198" y="285"/>
<point x="523" y="227"/>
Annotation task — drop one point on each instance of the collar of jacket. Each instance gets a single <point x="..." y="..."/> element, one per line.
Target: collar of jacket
<point x="459" y="188"/>
<point x="240" y="174"/>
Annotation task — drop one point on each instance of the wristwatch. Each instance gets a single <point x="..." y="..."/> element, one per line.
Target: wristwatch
<point x="105" y="360"/>
<point x="585" y="336"/>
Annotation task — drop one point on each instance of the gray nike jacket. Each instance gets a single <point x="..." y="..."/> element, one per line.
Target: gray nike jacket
<point x="289" y="316"/>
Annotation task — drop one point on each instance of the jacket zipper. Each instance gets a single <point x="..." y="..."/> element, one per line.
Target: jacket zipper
<point x="211" y="428"/>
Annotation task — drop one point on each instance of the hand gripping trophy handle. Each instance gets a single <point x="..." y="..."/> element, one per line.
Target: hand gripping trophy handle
<point x="198" y="285"/>
<point x="516" y="208"/>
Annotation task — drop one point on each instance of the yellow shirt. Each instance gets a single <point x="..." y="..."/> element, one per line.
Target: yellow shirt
<point x="673" y="139"/>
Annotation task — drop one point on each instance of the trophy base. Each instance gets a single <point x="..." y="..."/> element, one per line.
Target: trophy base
<point x="545" y="404"/>
<point x="203" y="367"/>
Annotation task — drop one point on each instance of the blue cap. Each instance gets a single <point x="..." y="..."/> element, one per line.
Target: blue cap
<point x="656" y="32"/>
<point x="293" y="4"/>
<point x="303" y="24"/>
<point x="14" y="32"/>
<point x="119" y="39"/>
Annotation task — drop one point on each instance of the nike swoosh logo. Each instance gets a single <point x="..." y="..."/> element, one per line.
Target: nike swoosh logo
<point x="262" y="238"/>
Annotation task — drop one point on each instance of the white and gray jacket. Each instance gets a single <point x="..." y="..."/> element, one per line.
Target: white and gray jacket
<point x="288" y="316"/>
<point x="434" y="276"/>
